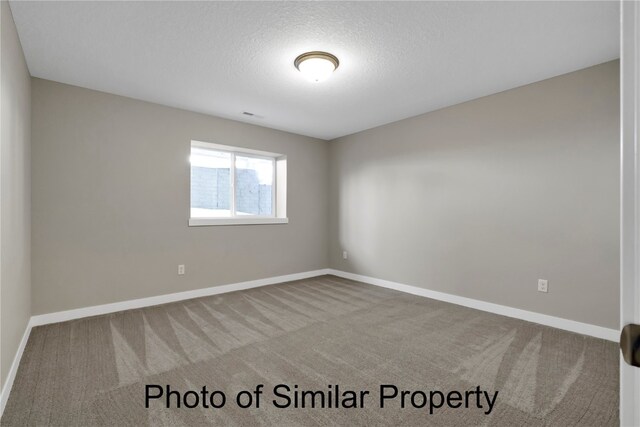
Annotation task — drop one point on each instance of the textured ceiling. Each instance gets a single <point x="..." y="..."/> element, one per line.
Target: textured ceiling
<point x="397" y="60"/>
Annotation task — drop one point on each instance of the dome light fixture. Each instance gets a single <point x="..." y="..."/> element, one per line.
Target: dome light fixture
<point x="316" y="66"/>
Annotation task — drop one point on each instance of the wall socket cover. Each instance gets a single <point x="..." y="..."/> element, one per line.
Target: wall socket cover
<point x="543" y="285"/>
<point x="344" y="255"/>
<point x="180" y="269"/>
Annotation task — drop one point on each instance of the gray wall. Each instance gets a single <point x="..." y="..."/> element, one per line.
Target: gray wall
<point x="15" y="264"/>
<point x="111" y="202"/>
<point x="483" y="198"/>
<point x="479" y="199"/>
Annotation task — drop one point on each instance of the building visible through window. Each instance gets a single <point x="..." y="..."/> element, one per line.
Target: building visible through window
<point x="230" y="182"/>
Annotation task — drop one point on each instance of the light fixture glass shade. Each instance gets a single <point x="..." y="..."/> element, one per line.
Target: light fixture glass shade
<point x="316" y="66"/>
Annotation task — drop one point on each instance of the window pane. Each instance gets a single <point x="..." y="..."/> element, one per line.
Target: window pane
<point x="254" y="186"/>
<point x="210" y="185"/>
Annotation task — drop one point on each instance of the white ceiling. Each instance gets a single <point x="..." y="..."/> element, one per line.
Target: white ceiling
<point x="397" y="60"/>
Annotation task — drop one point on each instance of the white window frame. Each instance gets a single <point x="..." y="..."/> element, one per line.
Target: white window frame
<point x="278" y="192"/>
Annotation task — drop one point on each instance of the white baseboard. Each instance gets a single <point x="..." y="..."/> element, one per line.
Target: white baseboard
<point x="530" y="316"/>
<point x="13" y="369"/>
<point x="62" y="316"/>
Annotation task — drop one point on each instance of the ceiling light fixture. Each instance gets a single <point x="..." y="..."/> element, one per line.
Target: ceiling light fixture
<point x="316" y="66"/>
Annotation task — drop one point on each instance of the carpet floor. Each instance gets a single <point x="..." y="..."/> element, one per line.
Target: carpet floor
<point x="312" y="333"/>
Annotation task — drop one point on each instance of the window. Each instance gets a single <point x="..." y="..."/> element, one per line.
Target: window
<point x="231" y="185"/>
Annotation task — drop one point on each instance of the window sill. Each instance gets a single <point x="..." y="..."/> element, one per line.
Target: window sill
<point x="197" y="222"/>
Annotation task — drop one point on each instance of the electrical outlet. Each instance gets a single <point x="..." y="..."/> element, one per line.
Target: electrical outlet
<point x="543" y="285"/>
<point x="344" y="255"/>
<point x="180" y="269"/>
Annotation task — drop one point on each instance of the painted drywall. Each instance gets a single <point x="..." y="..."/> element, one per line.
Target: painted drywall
<point x="111" y="202"/>
<point x="484" y="198"/>
<point x="15" y="206"/>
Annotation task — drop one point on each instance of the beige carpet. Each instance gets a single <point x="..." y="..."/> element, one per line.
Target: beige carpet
<point x="314" y="333"/>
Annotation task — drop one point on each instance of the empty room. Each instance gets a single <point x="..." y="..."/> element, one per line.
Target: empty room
<point x="305" y="213"/>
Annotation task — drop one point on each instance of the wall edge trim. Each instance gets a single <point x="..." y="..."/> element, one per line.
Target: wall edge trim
<point x="13" y="369"/>
<point x="96" y="310"/>
<point x="529" y="316"/>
